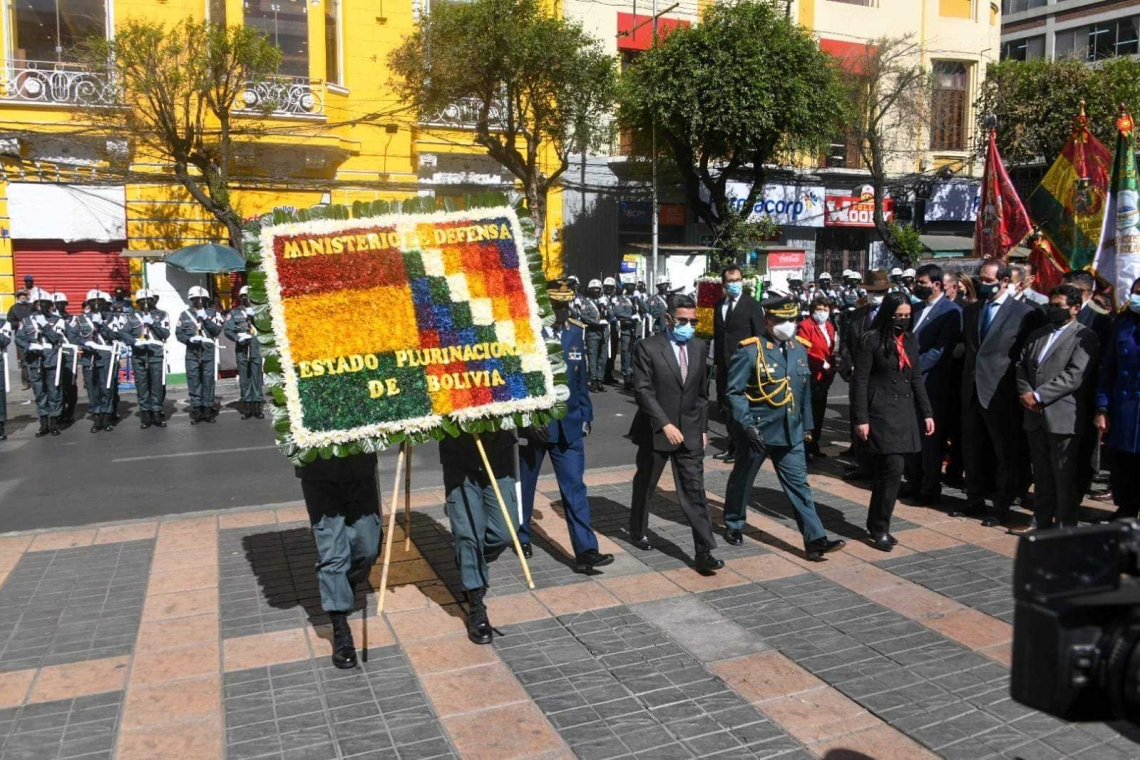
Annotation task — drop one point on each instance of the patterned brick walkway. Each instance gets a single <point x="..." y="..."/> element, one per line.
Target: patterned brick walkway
<point x="203" y="637"/>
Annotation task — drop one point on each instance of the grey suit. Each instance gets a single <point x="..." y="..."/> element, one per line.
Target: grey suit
<point x="664" y="398"/>
<point x="1063" y="381"/>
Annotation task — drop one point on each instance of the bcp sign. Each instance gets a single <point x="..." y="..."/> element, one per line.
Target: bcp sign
<point x="852" y="211"/>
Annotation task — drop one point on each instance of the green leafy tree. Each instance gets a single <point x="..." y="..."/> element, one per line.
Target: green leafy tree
<point x="1031" y="127"/>
<point x="177" y="89"/>
<point x="543" y="87"/>
<point x="730" y="97"/>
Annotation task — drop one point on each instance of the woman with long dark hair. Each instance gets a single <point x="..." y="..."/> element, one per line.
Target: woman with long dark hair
<point x="889" y="399"/>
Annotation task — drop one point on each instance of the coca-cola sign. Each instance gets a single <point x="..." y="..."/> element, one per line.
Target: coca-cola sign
<point x="852" y="211"/>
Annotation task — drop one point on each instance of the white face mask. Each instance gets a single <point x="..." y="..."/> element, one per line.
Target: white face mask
<point x="821" y="316"/>
<point x="784" y="331"/>
<point x="876" y="300"/>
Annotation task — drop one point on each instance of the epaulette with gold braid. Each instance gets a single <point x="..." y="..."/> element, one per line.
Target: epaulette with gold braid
<point x="803" y="340"/>
<point x="750" y="341"/>
<point x="576" y="323"/>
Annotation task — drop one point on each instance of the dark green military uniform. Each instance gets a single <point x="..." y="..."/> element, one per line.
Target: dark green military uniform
<point x="146" y="331"/>
<point x="198" y="329"/>
<point x="597" y="333"/>
<point x="92" y="331"/>
<point x="240" y="329"/>
<point x="769" y="387"/>
<point x="69" y="388"/>
<point x="39" y="337"/>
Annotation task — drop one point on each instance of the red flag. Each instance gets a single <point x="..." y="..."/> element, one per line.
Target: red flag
<point x="1050" y="265"/>
<point x="1002" y="220"/>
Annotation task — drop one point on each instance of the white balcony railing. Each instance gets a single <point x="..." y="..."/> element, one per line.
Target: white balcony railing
<point x="283" y="96"/>
<point x="54" y="83"/>
<point x="464" y="114"/>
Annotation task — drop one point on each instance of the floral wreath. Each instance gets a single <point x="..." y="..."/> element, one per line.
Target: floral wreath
<point x="545" y="395"/>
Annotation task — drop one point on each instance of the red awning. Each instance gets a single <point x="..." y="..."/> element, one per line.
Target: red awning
<point x="642" y="39"/>
<point x="850" y="55"/>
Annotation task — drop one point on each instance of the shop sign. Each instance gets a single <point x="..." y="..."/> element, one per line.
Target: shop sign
<point x="852" y="211"/>
<point x="635" y="213"/>
<point x="787" y="259"/>
<point x="784" y="205"/>
<point x="671" y="214"/>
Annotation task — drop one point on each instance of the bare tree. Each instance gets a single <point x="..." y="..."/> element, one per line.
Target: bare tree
<point x="890" y="99"/>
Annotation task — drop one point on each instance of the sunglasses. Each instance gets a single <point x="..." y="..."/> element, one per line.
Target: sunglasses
<point x="682" y="321"/>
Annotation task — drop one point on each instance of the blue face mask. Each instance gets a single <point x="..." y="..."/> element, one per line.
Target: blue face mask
<point x="682" y="333"/>
<point x="734" y="289"/>
<point x="1134" y="303"/>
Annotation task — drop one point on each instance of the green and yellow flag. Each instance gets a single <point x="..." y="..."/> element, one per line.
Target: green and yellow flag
<point x="1068" y="206"/>
<point x="1118" y="258"/>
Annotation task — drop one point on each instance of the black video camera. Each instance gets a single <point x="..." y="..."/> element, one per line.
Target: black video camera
<point x="1076" y="626"/>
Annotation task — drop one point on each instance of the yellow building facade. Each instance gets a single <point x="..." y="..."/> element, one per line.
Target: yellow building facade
<point x="72" y="200"/>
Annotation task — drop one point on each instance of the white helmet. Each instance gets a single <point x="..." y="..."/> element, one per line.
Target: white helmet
<point x="92" y="295"/>
<point x="142" y="294"/>
<point x="104" y="295"/>
<point x="663" y="280"/>
<point x="609" y="281"/>
<point x="39" y="294"/>
<point x="594" y="284"/>
<point x="825" y="276"/>
<point x="765" y="278"/>
<point x="855" y="276"/>
<point x="896" y="272"/>
<point x="244" y="290"/>
<point x="60" y="298"/>
<point x="908" y="273"/>
<point x="197" y="291"/>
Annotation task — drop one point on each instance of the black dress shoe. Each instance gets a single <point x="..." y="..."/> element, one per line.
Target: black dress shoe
<point x="971" y="508"/>
<point x="478" y="627"/>
<point x="882" y="542"/>
<point x="642" y="543"/>
<point x="527" y="551"/>
<point x="908" y="491"/>
<point x="856" y="475"/>
<point x="706" y="563"/>
<point x="344" y="649"/>
<point x="821" y="546"/>
<point x="734" y="537"/>
<point x="926" y="499"/>
<point x="591" y="558"/>
<point x="894" y="541"/>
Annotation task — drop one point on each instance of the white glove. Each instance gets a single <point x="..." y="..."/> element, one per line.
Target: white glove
<point x="92" y="345"/>
<point x="97" y="318"/>
<point x="196" y="339"/>
<point x="201" y="313"/>
<point x="249" y="312"/>
<point x="243" y="337"/>
<point x="148" y="319"/>
<point x="40" y="320"/>
<point x="827" y="365"/>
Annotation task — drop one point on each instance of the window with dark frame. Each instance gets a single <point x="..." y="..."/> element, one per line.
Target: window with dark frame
<point x="1025" y="49"/>
<point x="949" y="106"/>
<point x="285" y="23"/>
<point x="51" y="30"/>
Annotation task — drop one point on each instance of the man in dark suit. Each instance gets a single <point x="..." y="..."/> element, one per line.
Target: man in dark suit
<point x="564" y="440"/>
<point x="736" y="317"/>
<point x="1101" y="324"/>
<point x="856" y="324"/>
<point x="1055" y="379"/>
<point x="937" y="325"/>
<point x="672" y="392"/>
<point x="996" y="328"/>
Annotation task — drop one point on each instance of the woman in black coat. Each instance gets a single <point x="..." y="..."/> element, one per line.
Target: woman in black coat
<point x="890" y="397"/>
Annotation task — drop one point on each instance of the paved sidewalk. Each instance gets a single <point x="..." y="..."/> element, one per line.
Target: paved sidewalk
<point x="202" y="637"/>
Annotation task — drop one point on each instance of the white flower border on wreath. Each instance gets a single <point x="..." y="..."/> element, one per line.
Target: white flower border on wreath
<point x="303" y="438"/>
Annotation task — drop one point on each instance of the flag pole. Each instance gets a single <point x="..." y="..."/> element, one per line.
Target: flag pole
<point x="503" y="507"/>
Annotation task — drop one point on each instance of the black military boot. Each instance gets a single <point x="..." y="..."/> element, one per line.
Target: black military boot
<point x="53" y="425"/>
<point x="3" y="435"/>
<point x="195" y="417"/>
<point x="344" y="648"/>
<point x="97" y="424"/>
<point x="109" y="422"/>
<point x="144" y="420"/>
<point x="478" y="627"/>
<point x="210" y="414"/>
<point x="246" y="410"/>
<point x="43" y="428"/>
<point x="156" y="420"/>
<point x="257" y="411"/>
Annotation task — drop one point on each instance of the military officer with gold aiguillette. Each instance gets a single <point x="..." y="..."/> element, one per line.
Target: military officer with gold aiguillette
<point x="769" y="397"/>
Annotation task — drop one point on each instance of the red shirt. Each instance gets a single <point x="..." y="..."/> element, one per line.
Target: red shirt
<point x="821" y="351"/>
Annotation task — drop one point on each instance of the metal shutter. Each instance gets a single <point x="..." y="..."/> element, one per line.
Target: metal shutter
<point x="73" y="268"/>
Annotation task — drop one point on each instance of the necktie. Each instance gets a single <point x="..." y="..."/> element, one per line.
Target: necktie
<point x="684" y="363"/>
<point x="987" y="318"/>
<point x="728" y="311"/>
